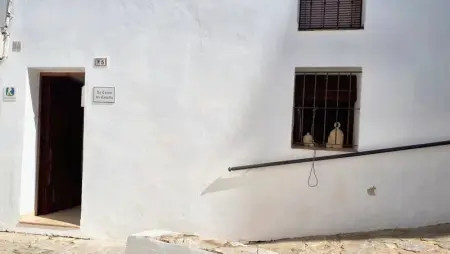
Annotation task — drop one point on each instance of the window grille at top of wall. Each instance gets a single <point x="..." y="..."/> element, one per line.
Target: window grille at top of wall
<point x="330" y="14"/>
<point x="321" y="100"/>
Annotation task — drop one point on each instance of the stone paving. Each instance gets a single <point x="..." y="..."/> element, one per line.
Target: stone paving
<point x="36" y="244"/>
<point x="433" y="239"/>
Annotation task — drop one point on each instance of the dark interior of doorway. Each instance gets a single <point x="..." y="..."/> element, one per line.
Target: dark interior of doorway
<point x="60" y="147"/>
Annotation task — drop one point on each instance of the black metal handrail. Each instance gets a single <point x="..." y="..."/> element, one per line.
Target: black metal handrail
<point x="339" y="156"/>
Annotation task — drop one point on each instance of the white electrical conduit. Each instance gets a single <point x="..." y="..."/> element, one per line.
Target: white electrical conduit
<point x="5" y="31"/>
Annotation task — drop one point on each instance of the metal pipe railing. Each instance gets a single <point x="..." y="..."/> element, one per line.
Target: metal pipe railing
<point x="339" y="156"/>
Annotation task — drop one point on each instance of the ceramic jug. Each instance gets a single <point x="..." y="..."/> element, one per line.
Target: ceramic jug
<point x="308" y="140"/>
<point x="336" y="137"/>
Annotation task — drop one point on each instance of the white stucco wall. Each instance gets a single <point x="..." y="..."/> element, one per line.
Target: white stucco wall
<point x="204" y="85"/>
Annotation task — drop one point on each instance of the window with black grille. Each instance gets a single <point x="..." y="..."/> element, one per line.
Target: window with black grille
<point x="322" y="102"/>
<point x="330" y="14"/>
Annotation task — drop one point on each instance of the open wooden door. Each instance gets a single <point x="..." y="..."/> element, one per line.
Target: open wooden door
<point x="45" y="188"/>
<point x="61" y="144"/>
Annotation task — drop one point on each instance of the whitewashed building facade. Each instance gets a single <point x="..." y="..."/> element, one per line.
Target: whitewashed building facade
<point x="193" y="87"/>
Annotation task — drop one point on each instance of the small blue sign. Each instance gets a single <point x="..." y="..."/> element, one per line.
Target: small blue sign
<point x="9" y="93"/>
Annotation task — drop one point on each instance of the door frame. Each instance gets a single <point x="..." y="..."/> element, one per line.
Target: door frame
<point x="39" y="127"/>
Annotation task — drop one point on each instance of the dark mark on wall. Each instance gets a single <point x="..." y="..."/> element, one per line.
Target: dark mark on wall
<point x="371" y="191"/>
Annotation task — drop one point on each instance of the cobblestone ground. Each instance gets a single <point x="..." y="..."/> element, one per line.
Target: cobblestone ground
<point x="33" y="244"/>
<point x="433" y="239"/>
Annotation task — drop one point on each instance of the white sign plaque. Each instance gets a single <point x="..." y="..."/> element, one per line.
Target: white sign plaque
<point x="100" y="62"/>
<point x="9" y="93"/>
<point x="104" y="95"/>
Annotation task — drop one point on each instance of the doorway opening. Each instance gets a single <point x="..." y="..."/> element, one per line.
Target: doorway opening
<point x="60" y="151"/>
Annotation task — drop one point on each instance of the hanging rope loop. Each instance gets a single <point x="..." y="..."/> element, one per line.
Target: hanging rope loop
<point x="312" y="171"/>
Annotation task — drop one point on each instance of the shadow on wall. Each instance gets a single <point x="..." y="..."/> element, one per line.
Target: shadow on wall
<point x="34" y="78"/>
<point x="403" y="189"/>
<point x="259" y="115"/>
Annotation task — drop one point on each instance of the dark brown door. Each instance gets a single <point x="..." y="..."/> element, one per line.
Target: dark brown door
<point x="61" y="144"/>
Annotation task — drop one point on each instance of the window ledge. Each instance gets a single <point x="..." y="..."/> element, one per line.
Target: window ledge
<point x="321" y="148"/>
<point x="330" y="29"/>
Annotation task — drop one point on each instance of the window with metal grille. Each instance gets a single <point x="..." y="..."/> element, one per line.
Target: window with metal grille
<point x="323" y="102"/>
<point x="330" y="14"/>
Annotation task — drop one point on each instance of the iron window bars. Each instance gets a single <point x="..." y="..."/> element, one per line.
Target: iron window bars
<point x="320" y="100"/>
<point x="330" y="14"/>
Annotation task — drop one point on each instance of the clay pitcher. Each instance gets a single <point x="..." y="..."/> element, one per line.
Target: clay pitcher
<point x="336" y="137"/>
<point x="308" y="140"/>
